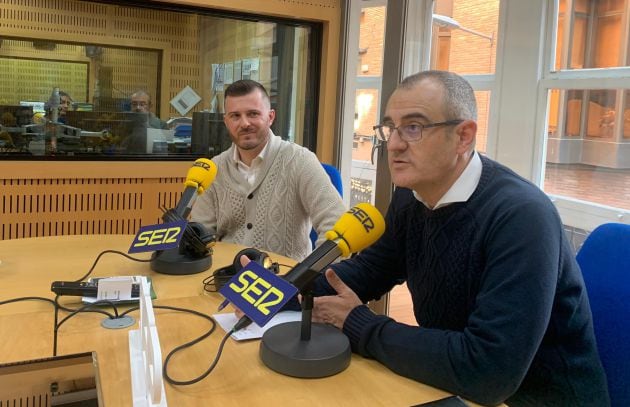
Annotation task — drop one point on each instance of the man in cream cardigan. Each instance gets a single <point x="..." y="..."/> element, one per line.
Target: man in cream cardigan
<point x="268" y="192"/>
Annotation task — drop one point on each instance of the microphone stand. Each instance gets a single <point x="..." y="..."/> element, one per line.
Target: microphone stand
<point x="305" y="349"/>
<point x="192" y="256"/>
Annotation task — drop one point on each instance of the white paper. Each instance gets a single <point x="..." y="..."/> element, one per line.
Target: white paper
<point x="253" y="331"/>
<point x="237" y="70"/>
<point x="228" y="74"/>
<point x="218" y="77"/>
<point x="185" y="100"/>
<point x="114" y="288"/>
<point x="246" y="67"/>
<point x="134" y="280"/>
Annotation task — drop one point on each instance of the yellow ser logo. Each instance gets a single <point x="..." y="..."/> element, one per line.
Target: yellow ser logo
<point x="257" y="291"/>
<point x="158" y="236"/>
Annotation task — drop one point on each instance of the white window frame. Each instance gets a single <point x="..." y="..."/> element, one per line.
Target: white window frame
<point x="574" y="212"/>
<point x="519" y="89"/>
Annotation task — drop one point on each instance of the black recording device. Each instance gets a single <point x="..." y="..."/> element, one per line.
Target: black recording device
<point x="222" y="275"/>
<point x="84" y="288"/>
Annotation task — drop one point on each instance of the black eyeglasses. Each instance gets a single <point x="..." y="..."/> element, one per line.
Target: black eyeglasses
<point x="411" y="132"/>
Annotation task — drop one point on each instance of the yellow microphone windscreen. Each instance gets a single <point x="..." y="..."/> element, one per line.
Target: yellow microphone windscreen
<point x="201" y="174"/>
<point x="357" y="229"/>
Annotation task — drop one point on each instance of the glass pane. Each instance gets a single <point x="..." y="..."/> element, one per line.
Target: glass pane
<point x="552" y="115"/>
<point x="363" y="171"/>
<point x="604" y="186"/>
<point x="626" y="116"/>
<point x="589" y="160"/>
<point x="573" y="122"/>
<point x="464" y="35"/>
<point x="371" y="35"/>
<point x="158" y="92"/>
<point x="601" y="114"/>
<point x="571" y="109"/>
<point x="483" y="112"/>
<point x="596" y="34"/>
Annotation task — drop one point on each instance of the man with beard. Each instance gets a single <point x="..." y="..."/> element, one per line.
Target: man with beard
<point x="268" y="192"/>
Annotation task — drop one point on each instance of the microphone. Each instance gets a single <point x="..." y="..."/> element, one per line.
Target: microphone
<point x="198" y="179"/>
<point x="192" y="256"/>
<point x="54" y="101"/>
<point x="355" y="230"/>
<point x="303" y="349"/>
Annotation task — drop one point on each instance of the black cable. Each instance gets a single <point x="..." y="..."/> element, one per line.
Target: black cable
<point x="214" y="282"/>
<point x="100" y="311"/>
<point x="189" y="344"/>
<point x="54" y="303"/>
<point x="105" y="252"/>
<point x="85" y="308"/>
<point x="27" y="299"/>
<point x="204" y="374"/>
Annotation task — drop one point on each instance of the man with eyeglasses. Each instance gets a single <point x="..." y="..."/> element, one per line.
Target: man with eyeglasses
<point x="141" y="103"/>
<point x="498" y="296"/>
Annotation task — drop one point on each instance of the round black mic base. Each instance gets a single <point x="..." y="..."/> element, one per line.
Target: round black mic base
<point x="173" y="262"/>
<point x="325" y="354"/>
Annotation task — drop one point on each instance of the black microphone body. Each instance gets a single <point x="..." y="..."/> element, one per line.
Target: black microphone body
<point x="182" y="208"/>
<point x="303" y="273"/>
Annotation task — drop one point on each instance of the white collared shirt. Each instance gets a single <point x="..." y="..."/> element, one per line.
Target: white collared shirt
<point x="250" y="172"/>
<point x="463" y="187"/>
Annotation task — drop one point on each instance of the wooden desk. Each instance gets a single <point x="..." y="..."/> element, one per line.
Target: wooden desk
<point x="26" y="331"/>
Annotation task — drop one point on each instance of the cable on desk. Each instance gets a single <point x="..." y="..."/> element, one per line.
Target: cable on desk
<point x="57" y="307"/>
<point x="165" y="374"/>
<point x="73" y="312"/>
<point x="105" y="252"/>
<point x="87" y="308"/>
<point x="99" y="311"/>
<point x="54" y="303"/>
<point x="27" y="299"/>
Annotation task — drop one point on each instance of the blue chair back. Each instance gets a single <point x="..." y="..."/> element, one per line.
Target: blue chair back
<point x="605" y="262"/>
<point x="335" y="178"/>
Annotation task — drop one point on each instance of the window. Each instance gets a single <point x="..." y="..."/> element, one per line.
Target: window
<point x="367" y="100"/>
<point x="464" y="41"/>
<point x="464" y="36"/>
<point x="148" y="82"/>
<point x="588" y="125"/>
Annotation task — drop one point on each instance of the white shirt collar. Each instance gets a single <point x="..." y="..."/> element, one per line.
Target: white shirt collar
<point x="463" y="187"/>
<point x="250" y="172"/>
<point x="237" y="159"/>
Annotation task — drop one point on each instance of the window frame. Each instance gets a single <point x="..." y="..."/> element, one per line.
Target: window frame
<point x="574" y="212"/>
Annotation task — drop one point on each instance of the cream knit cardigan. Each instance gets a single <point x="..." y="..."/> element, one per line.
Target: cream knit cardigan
<point x="291" y="192"/>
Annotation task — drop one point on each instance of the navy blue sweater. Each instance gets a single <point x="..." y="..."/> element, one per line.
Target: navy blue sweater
<point x="499" y="298"/>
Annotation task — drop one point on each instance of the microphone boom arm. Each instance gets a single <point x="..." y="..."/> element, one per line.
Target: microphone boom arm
<point x="306" y="272"/>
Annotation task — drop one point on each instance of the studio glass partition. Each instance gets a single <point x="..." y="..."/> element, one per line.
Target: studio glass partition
<point x="129" y="82"/>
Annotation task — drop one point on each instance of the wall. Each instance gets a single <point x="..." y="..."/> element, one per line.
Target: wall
<point x="40" y="198"/>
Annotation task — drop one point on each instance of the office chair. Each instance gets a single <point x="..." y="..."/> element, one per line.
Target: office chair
<point x="605" y="262"/>
<point x="335" y="179"/>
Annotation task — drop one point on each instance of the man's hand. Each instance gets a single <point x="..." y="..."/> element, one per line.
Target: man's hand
<point x="334" y="309"/>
